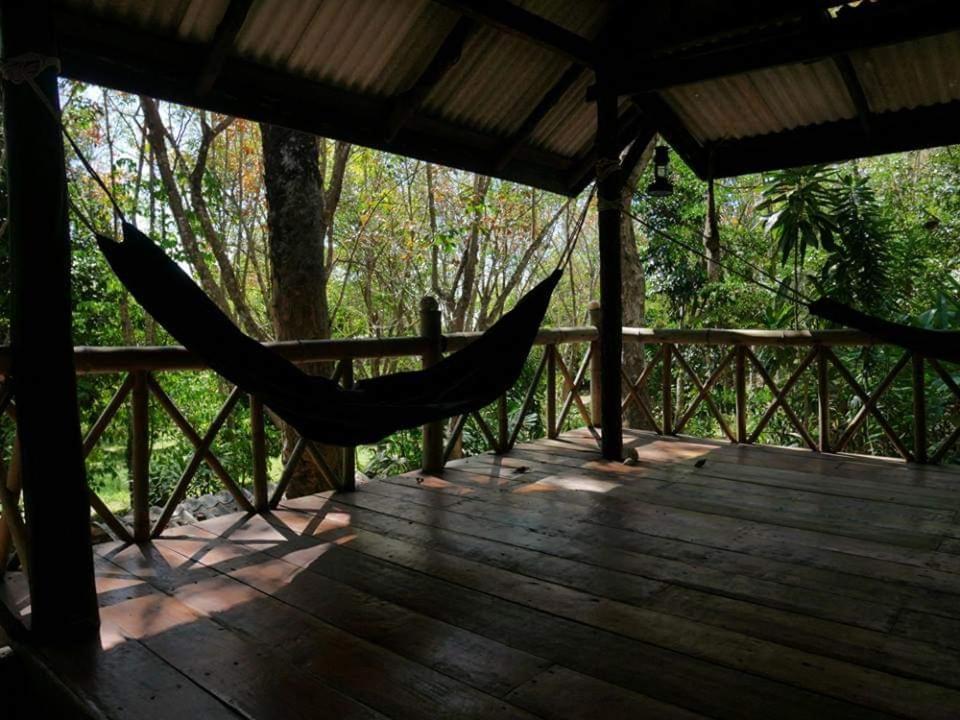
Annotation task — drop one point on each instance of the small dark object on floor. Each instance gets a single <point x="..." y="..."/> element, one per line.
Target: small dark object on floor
<point x="700" y="463"/>
<point x="521" y="469"/>
<point x="419" y="479"/>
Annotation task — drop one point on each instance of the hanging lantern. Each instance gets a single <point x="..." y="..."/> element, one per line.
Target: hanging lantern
<point x="661" y="185"/>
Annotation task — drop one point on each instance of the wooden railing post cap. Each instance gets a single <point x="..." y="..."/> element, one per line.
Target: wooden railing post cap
<point x="593" y="305"/>
<point x="428" y="303"/>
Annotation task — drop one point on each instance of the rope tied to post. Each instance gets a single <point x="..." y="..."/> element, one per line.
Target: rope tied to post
<point x="606" y="167"/>
<point x="27" y="67"/>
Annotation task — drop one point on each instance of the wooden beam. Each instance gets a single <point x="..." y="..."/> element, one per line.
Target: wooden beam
<point x="446" y="57"/>
<point x="102" y="52"/>
<point x="62" y="593"/>
<point x="222" y="44"/>
<point x="513" y="19"/>
<point x="891" y="132"/>
<point x="854" y="89"/>
<point x="630" y="126"/>
<point x="611" y="315"/>
<point x="886" y="23"/>
<point x="529" y="125"/>
<point x="671" y="127"/>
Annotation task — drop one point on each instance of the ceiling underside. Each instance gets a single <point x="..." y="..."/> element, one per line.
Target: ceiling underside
<point x="504" y="88"/>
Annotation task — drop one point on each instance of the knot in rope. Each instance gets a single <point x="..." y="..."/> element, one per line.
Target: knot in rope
<point x="26" y="67"/>
<point x="606" y="167"/>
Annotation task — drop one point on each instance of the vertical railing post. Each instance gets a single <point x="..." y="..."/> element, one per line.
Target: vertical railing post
<point x="919" y="410"/>
<point x="596" y="370"/>
<point x="667" y="389"/>
<point x="823" y="400"/>
<point x="430" y="330"/>
<point x="348" y="466"/>
<point x="140" y="458"/>
<point x="740" y="369"/>
<point x="259" y="443"/>
<point x="551" y="351"/>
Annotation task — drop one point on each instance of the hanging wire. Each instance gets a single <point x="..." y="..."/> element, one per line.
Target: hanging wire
<point x="567" y="255"/>
<point x="779" y="287"/>
<point x="25" y="69"/>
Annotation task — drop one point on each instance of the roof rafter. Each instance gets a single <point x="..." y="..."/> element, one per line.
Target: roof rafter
<point x="510" y="18"/>
<point x="222" y="43"/>
<point x="529" y="126"/>
<point x="104" y="53"/>
<point x="671" y="127"/>
<point x="854" y="89"/>
<point x="885" y="24"/>
<point x="447" y="56"/>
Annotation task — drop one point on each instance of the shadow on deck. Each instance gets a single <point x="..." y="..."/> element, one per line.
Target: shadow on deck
<point x="760" y="582"/>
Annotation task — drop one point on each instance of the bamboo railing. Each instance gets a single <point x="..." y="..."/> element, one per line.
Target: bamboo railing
<point x="568" y="370"/>
<point x="141" y="372"/>
<point x="817" y="357"/>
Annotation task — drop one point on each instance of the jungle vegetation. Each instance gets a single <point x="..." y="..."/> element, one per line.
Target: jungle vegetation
<point x="882" y="234"/>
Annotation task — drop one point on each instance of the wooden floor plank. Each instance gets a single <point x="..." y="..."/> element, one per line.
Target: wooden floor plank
<point x="561" y="694"/>
<point x="630" y="663"/>
<point x="288" y="638"/>
<point x="693" y="639"/>
<point x="488" y="666"/>
<point x="702" y="579"/>
<point x="247" y="675"/>
<point x="599" y="547"/>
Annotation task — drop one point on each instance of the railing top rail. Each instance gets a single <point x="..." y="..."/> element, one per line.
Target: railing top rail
<point x="782" y="338"/>
<point x="97" y="360"/>
<point x="94" y="360"/>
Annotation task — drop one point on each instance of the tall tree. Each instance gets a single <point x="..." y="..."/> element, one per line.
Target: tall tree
<point x="711" y="235"/>
<point x="301" y="206"/>
<point x="634" y="285"/>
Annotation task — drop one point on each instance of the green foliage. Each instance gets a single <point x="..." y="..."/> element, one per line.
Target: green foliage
<point x="801" y="204"/>
<point x="856" y="270"/>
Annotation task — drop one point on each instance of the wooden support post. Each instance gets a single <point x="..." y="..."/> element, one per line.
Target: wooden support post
<point x="432" y="432"/>
<point x="596" y="373"/>
<point x="348" y="467"/>
<point x="823" y="401"/>
<point x="611" y="321"/>
<point x="259" y="445"/>
<point x="919" y="410"/>
<point x="667" y="389"/>
<point x="62" y="593"/>
<point x="740" y="369"/>
<point x="552" y="430"/>
<point x="503" y="425"/>
<point x="140" y="472"/>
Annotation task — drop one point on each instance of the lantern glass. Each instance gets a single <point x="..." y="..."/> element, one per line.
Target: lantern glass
<point x="661" y="185"/>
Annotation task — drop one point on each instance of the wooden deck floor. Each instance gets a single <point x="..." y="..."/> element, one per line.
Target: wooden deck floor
<point x="762" y="584"/>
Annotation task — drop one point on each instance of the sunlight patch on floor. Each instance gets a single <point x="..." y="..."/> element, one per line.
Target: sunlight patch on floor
<point x="569" y="482"/>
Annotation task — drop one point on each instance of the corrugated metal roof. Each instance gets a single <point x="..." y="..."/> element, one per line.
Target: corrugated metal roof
<point x="909" y="75"/>
<point x="376" y="49"/>
<point x="762" y="102"/>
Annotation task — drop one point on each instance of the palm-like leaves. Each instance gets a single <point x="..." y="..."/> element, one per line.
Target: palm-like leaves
<point x="801" y="204"/>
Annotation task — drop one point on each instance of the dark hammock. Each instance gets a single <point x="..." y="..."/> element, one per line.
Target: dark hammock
<point x="939" y="344"/>
<point x="318" y="407"/>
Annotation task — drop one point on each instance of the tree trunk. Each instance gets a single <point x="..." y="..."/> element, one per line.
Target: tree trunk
<point x="634" y="286"/>
<point x="297" y="222"/>
<point x="711" y="236"/>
